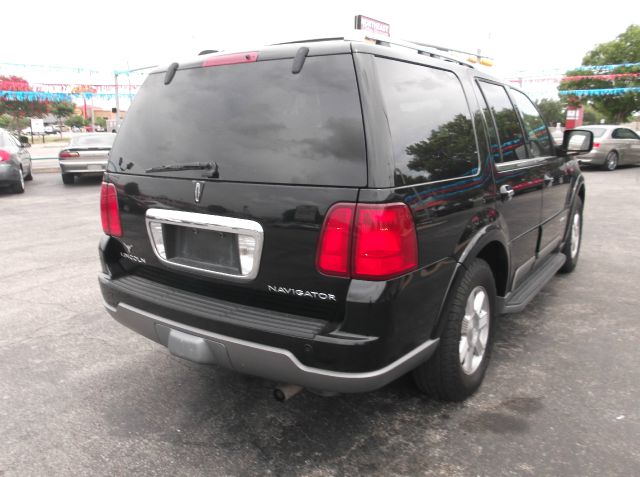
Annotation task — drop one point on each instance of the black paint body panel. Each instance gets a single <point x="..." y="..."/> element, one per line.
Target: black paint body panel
<point x="370" y="324"/>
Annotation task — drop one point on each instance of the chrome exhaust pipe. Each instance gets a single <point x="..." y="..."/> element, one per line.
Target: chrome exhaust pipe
<point x="284" y="392"/>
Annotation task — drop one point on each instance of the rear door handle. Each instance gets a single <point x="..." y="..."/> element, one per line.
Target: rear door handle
<point x="506" y="192"/>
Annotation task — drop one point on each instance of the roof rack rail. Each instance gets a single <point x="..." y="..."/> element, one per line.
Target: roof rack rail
<point x="433" y="51"/>
<point x="422" y="48"/>
<point x="311" y="40"/>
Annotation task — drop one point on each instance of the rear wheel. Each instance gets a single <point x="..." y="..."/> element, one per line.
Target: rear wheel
<point x="29" y="177"/>
<point x="611" y="161"/>
<point x="457" y="368"/>
<point x="68" y="179"/>
<point x="571" y="249"/>
<point x="18" y="187"/>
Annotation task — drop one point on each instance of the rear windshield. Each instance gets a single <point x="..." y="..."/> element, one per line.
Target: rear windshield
<point x="257" y="122"/>
<point x="93" y="140"/>
<point x="597" y="132"/>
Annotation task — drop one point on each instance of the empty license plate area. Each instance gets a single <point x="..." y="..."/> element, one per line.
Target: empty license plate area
<point x="209" y="244"/>
<point x="208" y="249"/>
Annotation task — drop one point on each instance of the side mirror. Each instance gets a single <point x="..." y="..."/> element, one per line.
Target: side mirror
<point x="24" y="141"/>
<point x="576" y="141"/>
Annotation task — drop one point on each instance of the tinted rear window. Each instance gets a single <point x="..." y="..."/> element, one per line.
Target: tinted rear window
<point x="430" y="122"/>
<point x="257" y="121"/>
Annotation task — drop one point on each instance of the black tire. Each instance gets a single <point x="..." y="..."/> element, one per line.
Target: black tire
<point x="68" y="179"/>
<point x="443" y="376"/>
<point x="29" y="177"/>
<point x="568" y="251"/>
<point x="18" y="187"/>
<point x="610" y="161"/>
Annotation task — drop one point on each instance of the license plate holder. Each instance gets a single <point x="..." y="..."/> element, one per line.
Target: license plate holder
<point x="200" y="248"/>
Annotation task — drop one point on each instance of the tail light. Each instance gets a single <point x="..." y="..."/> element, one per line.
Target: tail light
<point x="368" y="241"/>
<point x="4" y="155"/>
<point x="67" y="154"/>
<point x="109" y="210"/>
<point x="334" y="250"/>
<point x="596" y="145"/>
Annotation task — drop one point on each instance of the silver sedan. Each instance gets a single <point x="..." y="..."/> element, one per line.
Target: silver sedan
<point x="86" y="154"/>
<point x="612" y="146"/>
<point x="15" y="162"/>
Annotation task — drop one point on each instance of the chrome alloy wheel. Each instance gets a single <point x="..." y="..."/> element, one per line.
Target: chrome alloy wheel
<point x="575" y="235"/>
<point x="474" y="332"/>
<point x="611" y="161"/>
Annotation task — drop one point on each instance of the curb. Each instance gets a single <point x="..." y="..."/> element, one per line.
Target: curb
<point x="46" y="170"/>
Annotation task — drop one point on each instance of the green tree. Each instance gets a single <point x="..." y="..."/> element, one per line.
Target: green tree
<point x="552" y="110"/>
<point x="624" y="49"/>
<point x="23" y="108"/>
<point x="62" y="110"/>
<point x="591" y="116"/>
<point x="102" y="122"/>
<point x="5" y="121"/>
<point x="75" y="121"/>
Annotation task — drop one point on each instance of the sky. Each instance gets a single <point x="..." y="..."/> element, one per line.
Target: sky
<point x="523" y="38"/>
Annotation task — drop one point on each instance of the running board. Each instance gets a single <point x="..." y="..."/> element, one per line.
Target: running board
<point x="518" y="299"/>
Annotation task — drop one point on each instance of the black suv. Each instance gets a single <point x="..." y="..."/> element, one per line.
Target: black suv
<point x="334" y="214"/>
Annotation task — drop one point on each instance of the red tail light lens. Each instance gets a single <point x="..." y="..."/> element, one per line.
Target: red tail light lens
<point x="335" y="241"/>
<point x="385" y="241"/>
<point x="233" y="59"/>
<point x="109" y="210"/>
<point x="368" y="241"/>
<point x="64" y="154"/>
<point x="4" y="155"/>
<point x="596" y="145"/>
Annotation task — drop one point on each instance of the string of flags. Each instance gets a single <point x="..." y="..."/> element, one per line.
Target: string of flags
<point x="62" y="87"/>
<point x="607" y="67"/>
<point x="599" y="92"/>
<point x="53" y="96"/>
<point x="609" y="77"/>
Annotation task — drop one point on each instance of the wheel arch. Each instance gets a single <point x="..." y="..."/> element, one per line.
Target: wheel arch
<point x="490" y="245"/>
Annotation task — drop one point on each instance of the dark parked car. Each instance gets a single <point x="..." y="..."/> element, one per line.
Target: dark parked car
<point x="86" y="155"/>
<point x="15" y="161"/>
<point x="335" y="214"/>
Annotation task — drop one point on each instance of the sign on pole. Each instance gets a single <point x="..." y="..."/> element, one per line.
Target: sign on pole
<point x="371" y="25"/>
<point x="37" y="126"/>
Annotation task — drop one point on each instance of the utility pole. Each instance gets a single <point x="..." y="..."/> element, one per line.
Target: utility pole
<point x="117" y="103"/>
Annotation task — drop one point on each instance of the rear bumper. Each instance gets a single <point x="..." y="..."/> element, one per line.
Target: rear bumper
<point x="73" y="166"/>
<point x="257" y="359"/>
<point x="595" y="158"/>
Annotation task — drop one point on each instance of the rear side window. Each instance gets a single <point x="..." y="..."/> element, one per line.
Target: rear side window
<point x="257" y="121"/>
<point x="506" y="121"/>
<point x="430" y="123"/>
<point x="538" y="139"/>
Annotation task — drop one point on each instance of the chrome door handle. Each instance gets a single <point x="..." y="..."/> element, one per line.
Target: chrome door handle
<point x="506" y="192"/>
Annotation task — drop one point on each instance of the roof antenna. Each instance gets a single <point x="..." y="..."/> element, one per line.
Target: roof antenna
<point x="171" y="72"/>
<point x="298" y="61"/>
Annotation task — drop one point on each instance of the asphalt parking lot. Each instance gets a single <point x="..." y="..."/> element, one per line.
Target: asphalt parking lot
<point x="80" y="394"/>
